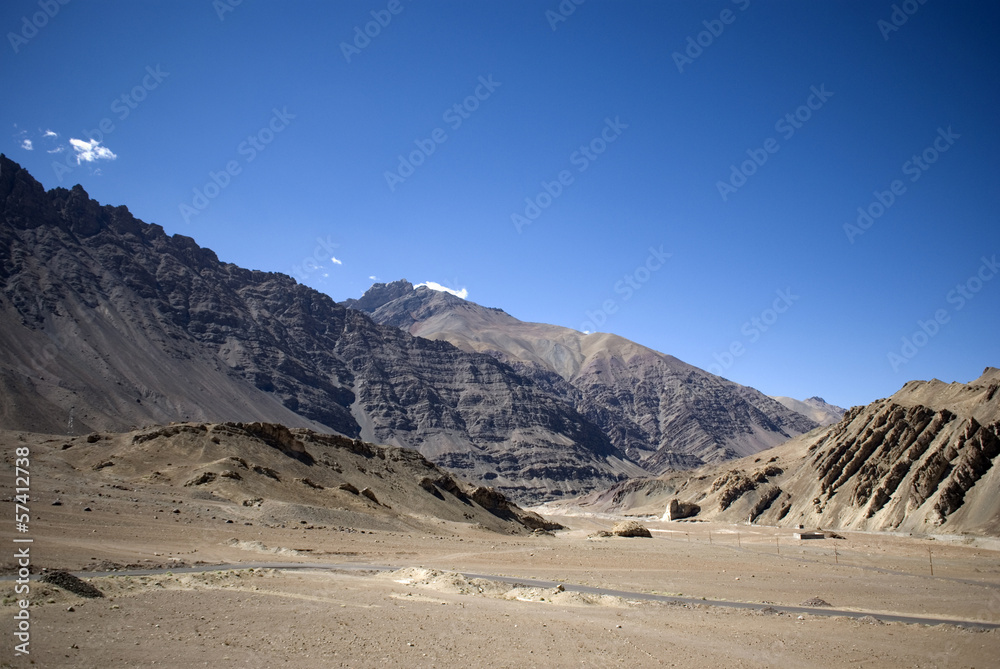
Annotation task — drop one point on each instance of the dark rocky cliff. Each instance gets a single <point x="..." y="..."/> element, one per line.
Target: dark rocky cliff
<point x="662" y="412"/>
<point x="108" y="323"/>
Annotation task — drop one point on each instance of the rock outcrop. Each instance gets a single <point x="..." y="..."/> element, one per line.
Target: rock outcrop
<point x="630" y="528"/>
<point x="923" y="460"/>
<point x="678" y="510"/>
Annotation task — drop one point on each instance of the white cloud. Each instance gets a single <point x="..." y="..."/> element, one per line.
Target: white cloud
<point x="50" y="133"/>
<point x="335" y="261"/>
<point x="26" y="145"/>
<point x="90" y="151"/>
<point x="58" y="149"/>
<point x="437" y="286"/>
<point x="373" y="278"/>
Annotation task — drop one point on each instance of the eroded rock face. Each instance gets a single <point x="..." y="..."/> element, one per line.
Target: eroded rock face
<point x="109" y="323"/>
<point x="923" y="460"/>
<point x="661" y="412"/>
<point x="678" y="510"/>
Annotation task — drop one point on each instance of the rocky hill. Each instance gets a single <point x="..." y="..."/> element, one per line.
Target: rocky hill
<point x="266" y="474"/>
<point x="108" y="323"/>
<point x="920" y="461"/>
<point x="662" y="412"/>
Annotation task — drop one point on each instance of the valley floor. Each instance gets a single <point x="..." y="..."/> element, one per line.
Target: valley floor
<point x="268" y="617"/>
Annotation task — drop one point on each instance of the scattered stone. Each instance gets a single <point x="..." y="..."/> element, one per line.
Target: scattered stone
<point x="815" y="601"/>
<point x="202" y="479"/>
<point x="57" y="503"/>
<point x="268" y="472"/>
<point x="102" y="465"/>
<point x="870" y="620"/>
<point x="347" y="487"/>
<point x="230" y="474"/>
<point x="367" y="492"/>
<point x="311" y="484"/>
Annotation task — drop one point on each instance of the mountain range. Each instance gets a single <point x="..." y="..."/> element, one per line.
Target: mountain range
<point x="922" y="460"/>
<point x="659" y="411"/>
<point x="108" y="323"/>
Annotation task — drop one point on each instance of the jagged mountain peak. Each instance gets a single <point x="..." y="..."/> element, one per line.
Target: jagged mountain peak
<point x="106" y="323"/>
<point x="379" y="294"/>
<point x="815" y="408"/>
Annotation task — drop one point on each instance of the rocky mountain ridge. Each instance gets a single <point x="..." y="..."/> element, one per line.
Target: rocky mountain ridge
<point x="662" y="412"/>
<point x="923" y="460"/>
<point x="109" y="323"/>
<point x="815" y="408"/>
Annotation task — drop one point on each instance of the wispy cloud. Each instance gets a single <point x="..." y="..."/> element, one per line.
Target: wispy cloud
<point x="373" y="277"/>
<point x="26" y="145"/>
<point x="50" y="133"/>
<point x="90" y="151"/>
<point x="335" y="261"/>
<point x="463" y="293"/>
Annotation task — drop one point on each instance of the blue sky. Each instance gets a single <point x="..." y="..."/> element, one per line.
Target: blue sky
<point x="680" y="173"/>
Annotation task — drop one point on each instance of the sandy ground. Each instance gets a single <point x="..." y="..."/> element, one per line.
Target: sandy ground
<point x="428" y="616"/>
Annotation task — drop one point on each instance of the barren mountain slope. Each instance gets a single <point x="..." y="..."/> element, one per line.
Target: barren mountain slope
<point x="921" y="461"/>
<point x="815" y="408"/>
<point x="661" y="411"/>
<point x="265" y="473"/>
<point x="108" y="323"/>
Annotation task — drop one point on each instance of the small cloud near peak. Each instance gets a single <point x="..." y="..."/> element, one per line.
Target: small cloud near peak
<point x="463" y="293"/>
<point x="90" y="151"/>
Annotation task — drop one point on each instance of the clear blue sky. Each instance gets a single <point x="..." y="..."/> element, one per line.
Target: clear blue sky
<point x="310" y="129"/>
